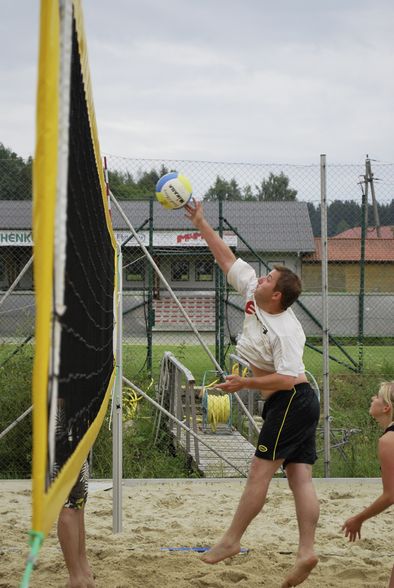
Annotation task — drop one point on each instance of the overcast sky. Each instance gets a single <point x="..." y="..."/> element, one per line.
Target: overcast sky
<point x="220" y="80"/>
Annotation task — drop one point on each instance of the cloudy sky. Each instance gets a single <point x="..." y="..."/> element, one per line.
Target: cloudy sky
<point x="220" y="80"/>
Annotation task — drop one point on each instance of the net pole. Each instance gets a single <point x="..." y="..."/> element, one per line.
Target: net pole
<point x="204" y="345"/>
<point x="60" y="237"/>
<point x="117" y="452"/>
<point x="326" y="342"/>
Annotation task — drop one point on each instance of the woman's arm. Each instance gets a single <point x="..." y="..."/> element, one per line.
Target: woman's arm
<point x="352" y="526"/>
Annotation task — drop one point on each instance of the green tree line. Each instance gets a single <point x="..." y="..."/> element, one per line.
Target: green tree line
<point x="16" y="184"/>
<point x="346" y="214"/>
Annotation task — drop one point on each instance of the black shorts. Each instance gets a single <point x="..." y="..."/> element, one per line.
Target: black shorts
<point x="289" y="429"/>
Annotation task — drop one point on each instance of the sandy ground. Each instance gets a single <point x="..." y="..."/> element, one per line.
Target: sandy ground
<point x="193" y="513"/>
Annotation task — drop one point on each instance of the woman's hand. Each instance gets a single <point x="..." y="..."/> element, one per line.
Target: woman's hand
<point x="352" y="528"/>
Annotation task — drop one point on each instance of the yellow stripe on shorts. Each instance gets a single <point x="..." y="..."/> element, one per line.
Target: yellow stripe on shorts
<point x="283" y="422"/>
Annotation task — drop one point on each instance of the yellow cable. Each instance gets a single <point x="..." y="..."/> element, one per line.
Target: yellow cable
<point x="130" y="403"/>
<point x="218" y="410"/>
<point x="236" y="371"/>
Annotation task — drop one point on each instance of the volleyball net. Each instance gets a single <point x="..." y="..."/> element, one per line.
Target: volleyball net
<point x="74" y="266"/>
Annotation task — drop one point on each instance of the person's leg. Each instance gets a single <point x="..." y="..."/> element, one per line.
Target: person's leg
<point x="71" y="533"/>
<point x="391" y="584"/>
<point x="250" y="504"/>
<point x="83" y="559"/>
<point x="299" y="476"/>
<point x="68" y="531"/>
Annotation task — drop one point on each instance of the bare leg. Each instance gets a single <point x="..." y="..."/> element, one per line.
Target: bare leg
<point x="391" y="584"/>
<point x="307" y="508"/>
<point x="71" y="533"/>
<point x="251" y="502"/>
<point x="83" y="559"/>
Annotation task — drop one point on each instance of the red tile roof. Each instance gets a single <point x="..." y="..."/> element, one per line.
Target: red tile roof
<point x="349" y="249"/>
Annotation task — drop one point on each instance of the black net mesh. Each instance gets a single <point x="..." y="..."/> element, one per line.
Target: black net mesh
<point x="87" y="325"/>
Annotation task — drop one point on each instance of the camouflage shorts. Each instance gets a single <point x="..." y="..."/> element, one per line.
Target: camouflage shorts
<point x="79" y="492"/>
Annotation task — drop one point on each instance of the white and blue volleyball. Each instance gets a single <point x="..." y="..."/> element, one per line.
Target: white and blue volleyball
<point x="173" y="190"/>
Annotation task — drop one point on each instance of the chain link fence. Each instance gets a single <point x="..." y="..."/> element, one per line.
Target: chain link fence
<point x="269" y="214"/>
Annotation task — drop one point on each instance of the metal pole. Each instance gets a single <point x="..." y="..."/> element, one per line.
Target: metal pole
<point x="181" y="424"/>
<point x="16" y="421"/>
<point x="117" y="436"/>
<point x="217" y="305"/>
<point x="326" y="342"/>
<point x="150" y="291"/>
<point x="163" y="279"/>
<point x="221" y="290"/>
<point x="17" y="279"/>
<point x="189" y="322"/>
<point x="373" y="195"/>
<point x="361" y="295"/>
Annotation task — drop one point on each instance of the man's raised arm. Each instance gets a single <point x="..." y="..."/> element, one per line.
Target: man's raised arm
<point x="222" y="252"/>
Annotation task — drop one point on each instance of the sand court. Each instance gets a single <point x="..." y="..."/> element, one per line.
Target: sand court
<point x="162" y="514"/>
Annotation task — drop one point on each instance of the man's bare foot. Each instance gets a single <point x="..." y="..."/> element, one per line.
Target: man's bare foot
<point x="83" y="581"/>
<point x="301" y="570"/>
<point x="77" y="582"/>
<point x="220" y="551"/>
<point x="90" y="583"/>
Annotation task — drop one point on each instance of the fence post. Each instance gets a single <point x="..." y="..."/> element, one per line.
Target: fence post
<point x="324" y="273"/>
<point x="361" y="295"/>
<point x="150" y="292"/>
<point x="221" y="291"/>
<point x="117" y="438"/>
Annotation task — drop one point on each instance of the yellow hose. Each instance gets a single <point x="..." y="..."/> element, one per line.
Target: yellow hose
<point x="218" y="410"/>
<point x="130" y="404"/>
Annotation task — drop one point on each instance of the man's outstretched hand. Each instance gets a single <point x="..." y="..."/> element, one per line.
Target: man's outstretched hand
<point x="194" y="212"/>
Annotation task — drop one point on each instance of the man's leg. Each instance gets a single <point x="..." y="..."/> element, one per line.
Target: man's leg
<point x="250" y="504"/>
<point x="391" y="583"/>
<point x="299" y="476"/>
<point x="71" y="533"/>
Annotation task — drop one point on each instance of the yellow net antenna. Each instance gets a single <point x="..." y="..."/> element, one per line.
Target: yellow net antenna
<point x="74" y="268"/>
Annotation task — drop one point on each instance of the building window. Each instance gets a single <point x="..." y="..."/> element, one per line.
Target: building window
<point x="204" y="270"/>
<point x="180" y="271"/>
<point x="135" y="270"/>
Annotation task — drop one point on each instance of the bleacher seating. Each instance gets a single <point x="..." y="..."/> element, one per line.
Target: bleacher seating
<point x="200" y="309"/>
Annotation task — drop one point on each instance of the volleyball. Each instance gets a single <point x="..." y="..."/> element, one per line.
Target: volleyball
<point x="173" y="190"/>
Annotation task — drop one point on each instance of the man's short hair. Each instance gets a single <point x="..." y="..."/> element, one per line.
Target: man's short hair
<point x="288" y="284"/>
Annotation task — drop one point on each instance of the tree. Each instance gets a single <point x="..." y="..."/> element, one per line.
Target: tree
<point x="125" y="187"/>
<point x="224" y="190"/>
<point x="15" y="175"/>
<point x="346" y="214"/>
<point x="247" y="194"/>
<point x="315" y="218"/>
<point x="340" y="211"/>
<point x="275" y="188"/>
